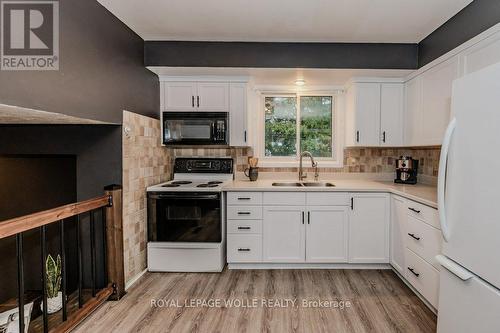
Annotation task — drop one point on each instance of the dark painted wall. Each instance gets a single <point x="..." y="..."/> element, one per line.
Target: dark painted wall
<point x="280" y="55"/>
<point x="101" y="70"/>
<point x="469" y="22"/>
<point x="30" y="184"/>
<point x="97" y="150"/>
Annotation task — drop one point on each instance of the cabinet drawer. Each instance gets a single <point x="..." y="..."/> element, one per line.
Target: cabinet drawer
<point x="422" y="276"/>
<point x="424" y="240"/>
<point x="425" y="213"/>
<point x="284" y="199"/>
<point x="244" y="226"/>
<point x="244" y="248"/>
<point x="244" y="198"/>
<point x="327" y="199"/>
<point x="244" y="212"/>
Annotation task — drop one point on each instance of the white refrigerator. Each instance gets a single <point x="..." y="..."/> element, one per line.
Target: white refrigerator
<point x="469" y="207"/>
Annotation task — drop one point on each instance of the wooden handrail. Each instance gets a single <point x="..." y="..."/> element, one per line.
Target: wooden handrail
<point x="31" y="221"/>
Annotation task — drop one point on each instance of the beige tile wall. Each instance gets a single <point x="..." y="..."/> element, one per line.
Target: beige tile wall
<point x="145" y="163"/>
<point x="360" y="160"/>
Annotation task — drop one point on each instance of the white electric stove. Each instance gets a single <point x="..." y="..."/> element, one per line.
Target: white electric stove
<point x="186" y="229"/>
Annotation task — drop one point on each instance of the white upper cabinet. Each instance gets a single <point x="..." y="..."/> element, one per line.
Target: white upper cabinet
<point x="374" y="114"/>
<point x="238" y="135"/>
<point x="363" y="114"/>
<point x="391" y="114"/>
<point x="413" y="115"/>
<point x="428" y="104"/>
<point x="179" y="96"/>
<point x="482" y="54"/>
<point x="436" y="101"/>
<point x="213" y="96"/>
<point x="369" y="228"/>
<point x="195" y="96"/>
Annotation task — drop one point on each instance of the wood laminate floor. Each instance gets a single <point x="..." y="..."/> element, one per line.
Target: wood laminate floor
<point x="379" y="302"/>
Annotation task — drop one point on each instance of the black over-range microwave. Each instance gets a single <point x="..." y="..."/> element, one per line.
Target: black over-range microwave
<point x="195" y="128"/>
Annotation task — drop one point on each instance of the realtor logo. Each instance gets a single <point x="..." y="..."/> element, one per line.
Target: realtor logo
<point x="29" y="35"/>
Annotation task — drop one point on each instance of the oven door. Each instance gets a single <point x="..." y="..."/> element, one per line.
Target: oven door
<point x="184" y="217"/>
<point x="195" y="128"/>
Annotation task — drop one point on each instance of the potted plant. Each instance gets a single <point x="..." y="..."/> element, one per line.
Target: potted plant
<point x="53" y="272"/>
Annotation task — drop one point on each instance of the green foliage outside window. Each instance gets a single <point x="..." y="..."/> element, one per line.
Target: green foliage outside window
<point x="315" y="125"/>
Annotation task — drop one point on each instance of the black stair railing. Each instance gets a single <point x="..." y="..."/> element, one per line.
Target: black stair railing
<point x="110" y="207"/>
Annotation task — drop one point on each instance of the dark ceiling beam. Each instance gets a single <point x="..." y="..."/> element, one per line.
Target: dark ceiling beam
<point x="280" y="55"/>
<point x="477" y="17"/>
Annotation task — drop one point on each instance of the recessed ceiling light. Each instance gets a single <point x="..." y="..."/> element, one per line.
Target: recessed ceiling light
<point x="300" y="82"/>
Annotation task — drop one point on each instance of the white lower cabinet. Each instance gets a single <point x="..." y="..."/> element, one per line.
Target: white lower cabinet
<point x="327" y="232"/>
<point x="244" y="248"/>
<point x="336" y="227"/>
<point x="423" y="277"/>
<point x="399" y="213"/>
<point x="369" y="228"/>
<point x="415" y="242"/>
<point x="284" y="234"/>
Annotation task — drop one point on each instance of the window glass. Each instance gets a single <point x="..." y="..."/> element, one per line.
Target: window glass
<point x="316" y="125"/>
<point x="280" y="126"/>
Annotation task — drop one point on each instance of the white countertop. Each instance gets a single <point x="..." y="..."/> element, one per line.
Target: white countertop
<point x="424" y="194"/>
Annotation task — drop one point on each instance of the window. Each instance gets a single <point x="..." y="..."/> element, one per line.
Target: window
<point x="305" y="121"/>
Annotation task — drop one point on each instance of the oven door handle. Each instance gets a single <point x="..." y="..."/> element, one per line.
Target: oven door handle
<point x="182" y="197"/>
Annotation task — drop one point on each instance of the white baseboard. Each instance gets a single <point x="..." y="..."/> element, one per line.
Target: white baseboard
<point x="307" y="266"/>
<point x="133" y="280"/>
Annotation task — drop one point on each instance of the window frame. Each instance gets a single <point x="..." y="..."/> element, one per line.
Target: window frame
<point x="292" y="161"/>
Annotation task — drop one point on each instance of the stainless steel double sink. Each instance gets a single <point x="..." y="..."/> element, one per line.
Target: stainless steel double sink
<point x="303" y="184"/>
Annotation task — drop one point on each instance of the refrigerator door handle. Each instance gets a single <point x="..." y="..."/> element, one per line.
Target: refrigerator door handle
<point x="454" y="268"/>
<point x="443" y="161"/>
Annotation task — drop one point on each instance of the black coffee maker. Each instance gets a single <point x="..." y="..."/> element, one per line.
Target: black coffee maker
<point x="406" y="170"/>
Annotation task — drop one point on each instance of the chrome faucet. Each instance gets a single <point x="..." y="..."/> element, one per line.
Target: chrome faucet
<point x="303" y="175"/>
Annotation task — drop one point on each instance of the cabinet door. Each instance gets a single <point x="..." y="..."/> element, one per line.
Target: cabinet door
<point x="436" y="99"/>
<point x="369" y="228"/>
<point x="350" y="117"/>
<point x="413" y="111"/>
<point x="213" y="96"/>
<point x="391" y="114"/>
<point x="327" y="234"/>
<point x="367" y="105"/>
<point x="238" y="114"/>
<point x="399" y="208"/>
<point x="284" y="234"/>
<point x="179" y="96"/>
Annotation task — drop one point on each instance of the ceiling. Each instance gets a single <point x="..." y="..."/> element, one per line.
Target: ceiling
<point x="285" y="76"/>
<point x="383" y="21"/>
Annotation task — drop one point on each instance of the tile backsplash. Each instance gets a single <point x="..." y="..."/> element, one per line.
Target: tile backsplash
<point x="356" y="160"/>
